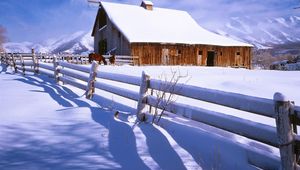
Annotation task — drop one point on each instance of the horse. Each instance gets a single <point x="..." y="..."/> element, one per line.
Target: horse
<point x="112" y="59"/>
<point x="97" y="57"/>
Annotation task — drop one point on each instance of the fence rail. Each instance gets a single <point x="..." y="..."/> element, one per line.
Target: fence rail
<point x="287" y="116"/>
<point x="120" y="59"/>
<point x="74" y="58"/>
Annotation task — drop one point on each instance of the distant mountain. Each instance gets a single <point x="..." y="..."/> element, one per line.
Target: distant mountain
<point x="274" y="39"/>
<point x="263" y="34"/>
<point x="77" y="43"/>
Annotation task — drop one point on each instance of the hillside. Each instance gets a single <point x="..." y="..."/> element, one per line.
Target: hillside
<point x="76" y="43"/>
<point x="264" y="33"/>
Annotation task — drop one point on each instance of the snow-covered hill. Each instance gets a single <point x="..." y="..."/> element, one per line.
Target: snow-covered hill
<point x="76" y="43"/>
<point x="263" y="33"/>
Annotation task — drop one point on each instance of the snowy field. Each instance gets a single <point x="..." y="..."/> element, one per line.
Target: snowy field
<point x="47" y="126"/>
<point x="258" y="83"/>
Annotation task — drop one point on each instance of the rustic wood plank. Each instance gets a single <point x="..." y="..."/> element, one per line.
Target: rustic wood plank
<point x="142" y="96"/>
<point x="284" y="131"/>
<point x="184" y="54"/>
<point x="90" y="90"/>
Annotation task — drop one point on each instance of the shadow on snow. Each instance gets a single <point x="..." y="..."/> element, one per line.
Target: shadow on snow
<point x="70" y="146"/>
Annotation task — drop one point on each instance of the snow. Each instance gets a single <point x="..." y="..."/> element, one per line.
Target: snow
<point x="78" y="42"/>
<point x="278" y="40"/>
<point x="18" y="47"/>
<point x="265" y="32"/>
<point x="282" y="21"/>
<point x="259" y="83"/>
<point x="148" y="2"/>
<point x="162" y="26"/>
<point x="238" y="25"/>
<point x="280" y="97"/>
<point x="55" y="126"/>
<point x="88" y="41"/>
<point x="297" y="17"/>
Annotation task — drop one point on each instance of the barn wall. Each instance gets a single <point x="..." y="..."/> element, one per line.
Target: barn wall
<point x="180" y="54"/>
<point x="116" y="40"/>
<point x="111" y="34"/>
<point x="99" y="35"/>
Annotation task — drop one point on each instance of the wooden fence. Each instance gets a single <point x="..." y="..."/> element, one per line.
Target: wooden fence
<point x="121" y="60"/>
<point x="287" y="116"/>
<point x="73" y="58"/>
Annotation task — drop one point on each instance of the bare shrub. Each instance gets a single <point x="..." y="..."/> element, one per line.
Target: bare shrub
<point x="166" y="93"/>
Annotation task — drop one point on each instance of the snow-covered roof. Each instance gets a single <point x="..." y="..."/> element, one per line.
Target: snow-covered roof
<point x="161" y="25"/>
<point x="148" y="2"/>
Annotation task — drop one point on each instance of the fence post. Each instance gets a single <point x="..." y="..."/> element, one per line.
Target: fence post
<point x="4" y="59"/>
<point x="35" y="62"/>
<point x="284" y="131"/>
<point x="143" y="92"/>
<point x="1" y="58"/>
<point x="22" y="64"/>
<point x="10" y="60"/>
<point x="55" y="67"/>
<point x="7" y="56"/>
<point x="14" y="62"/>
<point x="90" y="89"/>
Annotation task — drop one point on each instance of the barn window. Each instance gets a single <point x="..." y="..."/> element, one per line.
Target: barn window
<point x="102" y="19"/>
<point x="238" y="53"/>
<point x="221" y="53"/>
<point x="178" y="52"/>
<point x="119" y="34"/>
<point x="165" y="56"/>
<point x="102" y="46"/>
<point x="200" y="52"/>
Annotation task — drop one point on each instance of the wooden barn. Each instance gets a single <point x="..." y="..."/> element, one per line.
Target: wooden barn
<point x="161" y="36"/>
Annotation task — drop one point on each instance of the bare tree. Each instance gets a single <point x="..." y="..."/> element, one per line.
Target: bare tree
<point x="166" y="94"/>
<point x="2" y="37"/>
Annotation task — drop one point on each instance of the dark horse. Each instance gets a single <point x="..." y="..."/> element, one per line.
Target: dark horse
<point x="112" y="59"/>
<point x="97" y="57"/>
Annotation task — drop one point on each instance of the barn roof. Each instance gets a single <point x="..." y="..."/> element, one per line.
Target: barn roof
<point x="161" y="25"/>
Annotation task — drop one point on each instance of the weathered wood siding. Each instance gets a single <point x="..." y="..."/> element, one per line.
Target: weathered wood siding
<point x="114" y="38"/>
<point x="181" y="54"/>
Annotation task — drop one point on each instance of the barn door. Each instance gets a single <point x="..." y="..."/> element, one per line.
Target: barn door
<point x="199" y="58"/>
<point x="210" y="58"/>
<point x="238" y="59"/>
<point x="165" y="56"/>
<point x="102" y="46"/>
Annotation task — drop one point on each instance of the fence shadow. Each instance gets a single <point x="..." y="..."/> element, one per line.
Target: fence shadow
<point x="3" y="68"/>
<point x="164" y="154"/>
<point x="122" y="141"/>
<point x="67" y="147"/>
<point x="121" y="138"/>
<point x="61" y="94"/>
<point x="157" y="143"/>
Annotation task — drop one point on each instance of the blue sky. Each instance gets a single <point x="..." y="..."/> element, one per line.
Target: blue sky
<point x="39" y="20"/>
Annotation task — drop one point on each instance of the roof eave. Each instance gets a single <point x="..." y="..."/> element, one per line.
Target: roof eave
<point x="117" y="27"/>
<point x="173" y="43"/>
<point x="95" y="22"/>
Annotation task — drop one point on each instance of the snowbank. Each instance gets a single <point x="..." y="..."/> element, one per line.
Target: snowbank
<point x="54" y="126"/>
